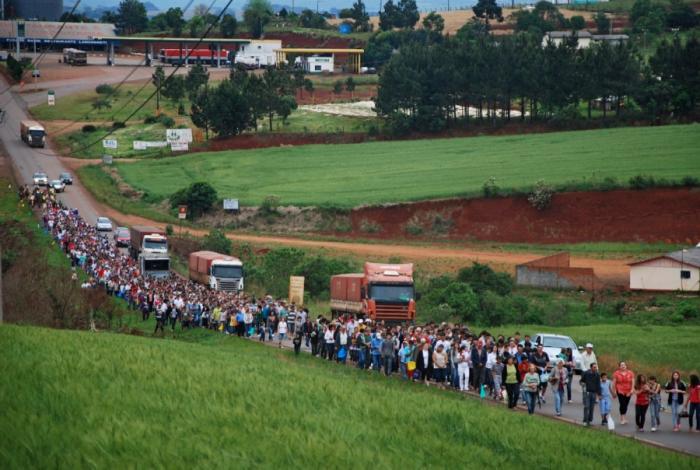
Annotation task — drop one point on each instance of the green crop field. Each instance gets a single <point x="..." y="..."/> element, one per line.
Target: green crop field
<point x="76" y="399"/>
<point x="379" y="172"/>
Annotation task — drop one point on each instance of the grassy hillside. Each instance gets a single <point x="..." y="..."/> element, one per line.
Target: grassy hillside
<point x="74" y="399"/>
<point x="378" y="172"/>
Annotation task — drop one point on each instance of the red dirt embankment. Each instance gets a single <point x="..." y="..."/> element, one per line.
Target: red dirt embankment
<point x="656" y="215"/>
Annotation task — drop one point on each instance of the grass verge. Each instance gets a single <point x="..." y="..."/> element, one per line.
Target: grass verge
<point x="230" y="399"/>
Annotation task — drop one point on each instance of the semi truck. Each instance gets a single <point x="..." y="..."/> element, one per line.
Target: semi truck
<point x="382" y="292"/>
<point x="73" y="56"/>
<point x="147" y="240"/>
<point x="32" y="133"/>
<point x="219" y="272"/>
<point x="154" y="264"/>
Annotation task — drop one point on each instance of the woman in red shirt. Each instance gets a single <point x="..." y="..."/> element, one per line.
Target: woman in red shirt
<point x="694" y="401"/>
<point x="623" y="381"/>
<point x="641" y="404"/>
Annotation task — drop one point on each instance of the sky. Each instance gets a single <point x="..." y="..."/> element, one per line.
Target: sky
<point x="237" y="5"/>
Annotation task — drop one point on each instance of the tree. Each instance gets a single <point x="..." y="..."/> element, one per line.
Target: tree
<point x="577" y="22"/>
<point x="131" y="17"/>
<point x="408" y="13"/>
<point x="338" y="87"/>
<point x="257" y="15"/>
<point x="109" y="17"/>
<point x="360" y="16"/>
<point x="228" y="26"/>
<point x="647" y="17"/>
<point x="175" y="20"/>
<point x="200" y="10"/>
<point x="196" y="77"/>
<point x="196" y="26"/>
<point x="311" y="19"/>
<point x="200" y="109"/>
<point x="681" y="15"/>
<point x="101" y="103"/>
<point x="488" y="10"/>
<point x="274" y="93"/>
<point x="350" y="86"/>
<point x="174" y="88"/>
<point x="434" y="23"/>
<point x="309" y="88"/>
<point x="602" y="23"/>
<point x="75" y="18"/>
<point x="229" y="107"/>
<point x="15" y="68"/>
<point x="199" y="197"/>
<point x="345" y="13"/>
<point x="158" y="79"/>
<point x="390" y="17"/>
<point x="217" y="241"/>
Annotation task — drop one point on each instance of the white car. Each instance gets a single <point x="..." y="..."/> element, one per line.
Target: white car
<point x="57" y="186"/>
<point x="104" y="224"/>
<point x="553" y="345"/>
<point x="40" y="179"/>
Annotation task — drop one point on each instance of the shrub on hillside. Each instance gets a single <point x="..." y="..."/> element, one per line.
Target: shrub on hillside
<point x="89" y="128"/>
<point x="490" y="188"/>
<point x="167" y="121"/>
<point x="216" y="241"/>
<point x="482" y="278"/>
<point x="690" y="181"/>
<point x="198" y="197"/>
<point x="150" y="119"/>
<point x="118" y="125"/>
<point x="269" y="205"/>
<point x="642" y="182"/>
<point x="369" y="226"/>
<point x="104" y="89"/>
<point x="541" y="196"/>
<point x="317" y="272"/>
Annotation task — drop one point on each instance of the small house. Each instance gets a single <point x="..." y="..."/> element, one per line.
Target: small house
<point x="675" y="271"/>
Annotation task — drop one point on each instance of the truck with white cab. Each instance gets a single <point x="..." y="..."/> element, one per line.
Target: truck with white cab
<point x="218" y="271"/>
<point x="32" y="133"/>
<point x="147" y="240"/>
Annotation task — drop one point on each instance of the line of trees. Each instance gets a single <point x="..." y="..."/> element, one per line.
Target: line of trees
<point x="429" y="86"/>
<point x="244" y="99"/>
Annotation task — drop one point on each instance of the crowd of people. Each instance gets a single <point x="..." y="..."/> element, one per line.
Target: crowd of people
<point x="508" y="369"/>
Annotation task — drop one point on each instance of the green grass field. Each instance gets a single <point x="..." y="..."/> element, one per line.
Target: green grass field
<point x="76" y="399"/>
<point x="379" y="172"/>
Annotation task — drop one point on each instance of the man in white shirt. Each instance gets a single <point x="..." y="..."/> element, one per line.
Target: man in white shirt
<point x="588" y="358"/>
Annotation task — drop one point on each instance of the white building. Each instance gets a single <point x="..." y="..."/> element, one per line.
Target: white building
<point x="258" y="53"/>
<point x="585" y="39"/>
<point x="318" y="63"/>
<point x="675" y="271"/>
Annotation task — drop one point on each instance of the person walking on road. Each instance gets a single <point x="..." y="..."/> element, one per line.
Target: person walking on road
<point x="559" y="378"/>
<point x="654" y="403"/>
<point x="676" y="390"/>
<point x="694" y="403"/>
<point x="591" y="386"/>
<point x="641" y="402"/>
<point x="623" y="384"/>
<point x="531" y="383"/>
<point x="511" y="378"/>
<point x="282" y="330"/>
<point x="605" y="398"/>
<point x="588" y="358"/>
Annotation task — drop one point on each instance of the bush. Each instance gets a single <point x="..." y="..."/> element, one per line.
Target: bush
<point x="169" y="230"/>
<point x="216" y="241"/>
<point x="490" y="188"/>
<point x="541" y="196"/>
<point x="642" y="182"/>
<point x="441" y="224"/>
<point x="482" y="278"/>
<point x="317" y="272"/>
<point x="688" y="311"/>
<point x="14" y="68"/>
<point x="104" y="89"/>
<point x="118" y="125"/>
<point x="368" y="226"/>
<point x="181" y="109"/>
<point x="413" y="226"/>
<point x="150" y="119"/>
<point x="269" y="205"/>
<point x="690" y="181"/>
<point x="89" y="128"/>
<point x="199" y="198"/>
<point x="167" y="121"/>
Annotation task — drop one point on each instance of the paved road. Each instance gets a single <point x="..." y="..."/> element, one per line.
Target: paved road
<point x="28" y="160"/>
<point x="683" y="441"/>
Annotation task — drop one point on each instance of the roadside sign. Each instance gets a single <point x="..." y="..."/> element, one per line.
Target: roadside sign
<point x="182" y="212"/>
<point x="296" y="290"/>
<point x="179" y="146"/>
<point x="178" y="135"/>
<point x="107" y="159"/>
<point x="231" y="204"/>
<point x="109" y="143"/>
<point x="52" y="98"/>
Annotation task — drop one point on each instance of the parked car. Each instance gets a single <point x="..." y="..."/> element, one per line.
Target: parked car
<point x="57" y="186"/>
<point x="40" y="179"/>
<point x="66" y="178"/>
<point x="122" y="236"/>
<point x="554" y="343"/>
<point x="104" y="224"/>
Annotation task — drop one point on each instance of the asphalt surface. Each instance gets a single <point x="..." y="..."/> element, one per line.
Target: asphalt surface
<point x="27" y="160"/>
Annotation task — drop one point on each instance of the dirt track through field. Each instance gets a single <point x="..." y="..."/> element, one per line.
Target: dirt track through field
<point x="613" y="272"/>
